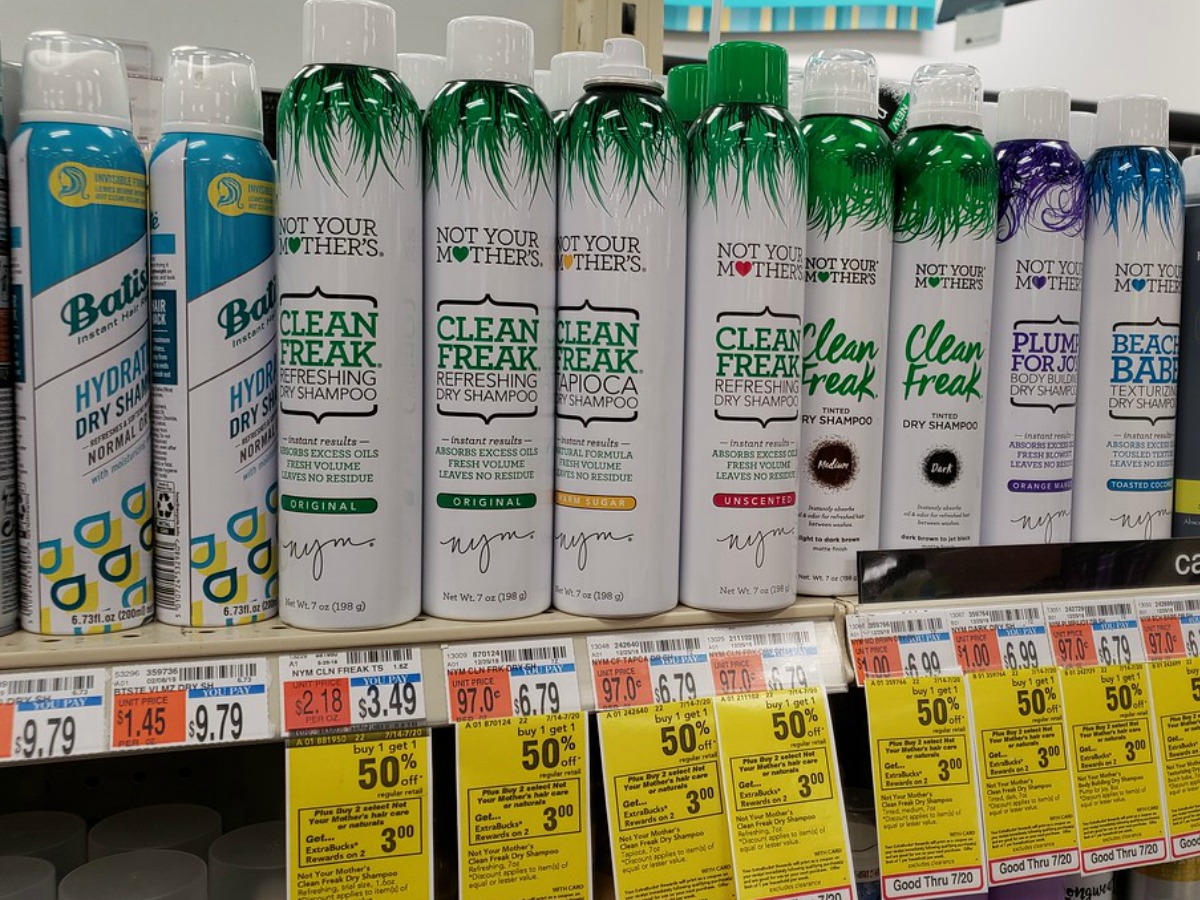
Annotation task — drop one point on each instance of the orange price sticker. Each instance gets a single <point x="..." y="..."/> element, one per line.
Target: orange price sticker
<point x="480" y="694"/>
<point x="1164" y="638"/>
<point x="6" y="730"/>
<point x="877" y="658"/>
<point x="147" y="719"/>
<point x="978" y="650"/>
<point x="316" y="703"/>
<point x="737" y="672"/>
<point x="622" y="682"/>
<point x="1073" y="645"/>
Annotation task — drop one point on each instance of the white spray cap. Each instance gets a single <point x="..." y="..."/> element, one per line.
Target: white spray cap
<point x="568" y="74"/>
<point x="991" y="115"/>
<point x="10" y="88"/>
<point x="1033" y="114"/>
<point x="350" y="32"/>
<point x="1083" y="134"/>
<point x="541" y="85"/>
<point x="74" y="78"/>
<point x="1191" y="177"/>
<point x="213" y="91"/>
<point x="424" y="73"/>
<point x="946" y="94"/>
<point x="796" y="92"/>
<point x="487" y="48"/>
<point x="1134" y="121"/>
<point x="623" y="58"/>
<point x="841" y="82"/>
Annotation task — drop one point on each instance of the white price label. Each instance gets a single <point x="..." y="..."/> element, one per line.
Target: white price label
<point x="640" y="668"/>
<point x="780" y="656"/>
<point x="521" y="678"/>
<point x="52" y="715"/>
<point x="1095" y="632"/>
<point x="380" y="686"/>
<point x="901" y="644"/>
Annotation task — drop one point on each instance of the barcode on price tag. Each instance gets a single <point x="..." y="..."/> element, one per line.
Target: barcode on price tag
<point x="900" y="644"/>
<point x="640" y="668"/>
<point x="995" y="638"/>
<point x="51" y="715"/>
<point x="194" y="703"/>
<point x="1170" y="627"/>
<point x="338" y="689"/>
<point x="522" y="678"/>
<point x="1094" y="632"/>
<point x="754" y="658"/>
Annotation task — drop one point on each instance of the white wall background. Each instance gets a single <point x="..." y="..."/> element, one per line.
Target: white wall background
<point x="268" y="30"/>
<point x="1093" y="48"/>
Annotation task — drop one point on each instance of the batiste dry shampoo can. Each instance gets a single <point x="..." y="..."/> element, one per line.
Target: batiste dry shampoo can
<point x="349" y="270"/>
<point x="848" y="281"/>
<point x="745" y="299"/>
<point x="212" y="260"/>
<point x="1029" y="457"/>
<point x="489" y="314"/>
<point x="81" y="287"/>
<point x="937" y="369"/>
<point x="622" y="227"/>
<point x="1129" y="330"/>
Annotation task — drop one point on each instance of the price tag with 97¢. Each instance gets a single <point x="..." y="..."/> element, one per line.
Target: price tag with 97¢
<point x="51" y="715"/>
<point x="640" y="668"/>
<point x="521" y="678"/>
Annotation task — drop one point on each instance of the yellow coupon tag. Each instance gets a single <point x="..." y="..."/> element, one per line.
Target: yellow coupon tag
<point x="523" y="808"/>
<point x="1176" y="687"/>
<point x="1118" y="790"/>
<point x="930" y="835"/>
<point x="1024" y="776"/>
<point x="783" y="796"/>
<point x="666" y="812"/>
<point x="360" y="815"/>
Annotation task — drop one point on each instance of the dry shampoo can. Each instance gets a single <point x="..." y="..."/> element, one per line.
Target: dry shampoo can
<point x="349" y="271"/>
<point x="81" y="287"/>
<point x="937" y="369"/>
<point x="745" y="300"/>
<point x="847" y="284"/>
<point x="213" y="298"/>
<point x="489" y="314"/>
<point x="1129" y="330"/>
<point x="622" y="225"/>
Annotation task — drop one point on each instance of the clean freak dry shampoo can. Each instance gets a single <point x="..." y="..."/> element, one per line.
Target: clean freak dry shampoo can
<point x="1029" y="459"/>
<point x="745" y="298"/>
<point x="942" y="266"/>
<point x="1129" y="330"/>
<point x="848" y="279"/>
<point x="621" y="256"/>
<point x="489" y="315"/>
<point x="81" y="289"/>
<point x="349" y="270"/>
<point x="213" y="302"/>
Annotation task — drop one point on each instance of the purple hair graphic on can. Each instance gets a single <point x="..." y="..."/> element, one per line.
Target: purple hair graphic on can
<point x="1041" y="188"/>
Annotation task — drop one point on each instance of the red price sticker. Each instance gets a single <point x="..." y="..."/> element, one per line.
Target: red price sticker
<point x="1073" y="645"/>
<point x="149" y="719"/>
<point x="6" y="730"/>
<point x="316" y="703"/>
<point x="1164" y="638"/>
<point x="737" y="672"/>
<point x="622" y="682"/>
<point x="978" y="650"/>
<point x="877" y="658"/>
<point x="480" y="695"/>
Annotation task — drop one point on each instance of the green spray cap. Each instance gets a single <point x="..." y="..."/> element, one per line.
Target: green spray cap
<point x="748" y="72"/>
<point x="687" y="91"/>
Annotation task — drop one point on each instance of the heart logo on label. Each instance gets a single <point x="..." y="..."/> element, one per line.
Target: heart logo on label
<point x="294" y="245"/>
<point x="568" y="260"/>
<point x="822" y="277"/>
<point x="1138" y="283"/>
<point x="1039" y="281"/>
<point x="743" y="267"/>
<point x="461" y="253"/>
<point x="934" y="280"/>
